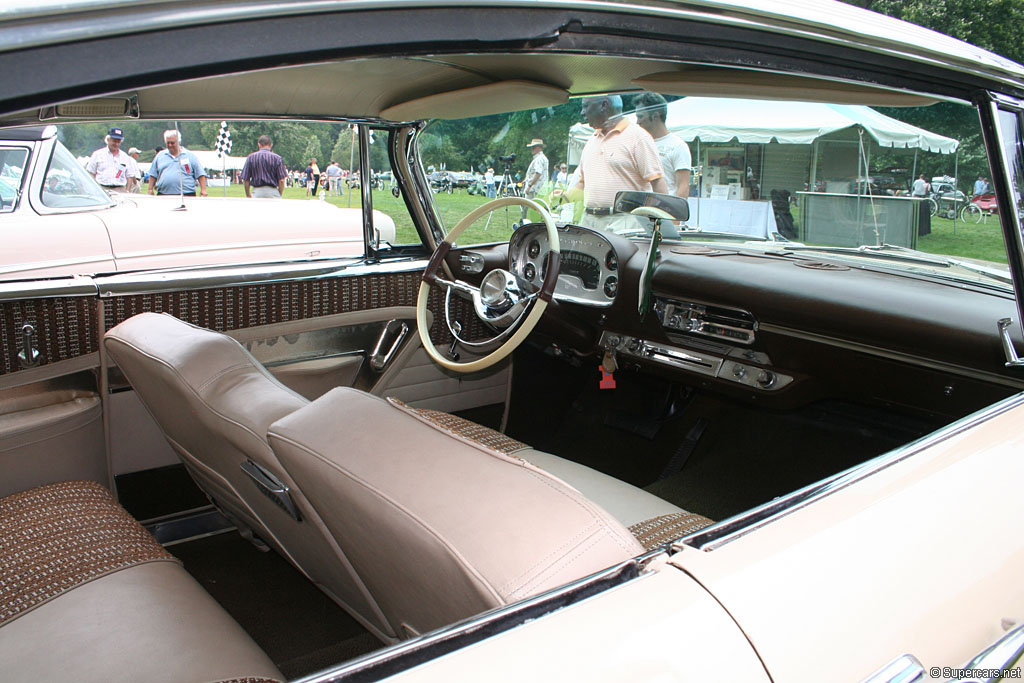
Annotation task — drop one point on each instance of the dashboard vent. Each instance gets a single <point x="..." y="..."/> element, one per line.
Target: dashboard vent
<point x="821" y="265"/>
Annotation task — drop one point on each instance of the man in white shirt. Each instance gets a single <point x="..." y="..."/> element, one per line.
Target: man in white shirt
<point x="333" y="172"/>
<point x="489" y="183"/>
<point x="136" y="180"/>
<point x="651" y="112"/>
<point x="921" y="187"/>
<point x="112" y="168"/>
<point x="536" y="173"/>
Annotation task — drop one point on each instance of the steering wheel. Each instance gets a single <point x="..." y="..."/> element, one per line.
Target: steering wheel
<point x="498" y="301"/>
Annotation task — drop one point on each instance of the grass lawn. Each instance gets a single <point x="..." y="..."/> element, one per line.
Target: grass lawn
<point x="981" y="241"/>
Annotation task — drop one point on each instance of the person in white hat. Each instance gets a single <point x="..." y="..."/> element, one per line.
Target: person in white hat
<point x="135" y="181"/>
<point x="536" y="173"/>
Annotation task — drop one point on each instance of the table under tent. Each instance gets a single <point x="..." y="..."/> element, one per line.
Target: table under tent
<point x="741" y="160"/>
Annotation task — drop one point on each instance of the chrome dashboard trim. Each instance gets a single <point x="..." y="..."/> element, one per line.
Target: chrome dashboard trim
<point x="990" y="377"/>
<point x="733" y="528"/>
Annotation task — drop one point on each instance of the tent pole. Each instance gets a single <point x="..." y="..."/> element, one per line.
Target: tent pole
<point x="913" y="174"/>
<point x="814" y="166"/>
<point x="956" y="186"/>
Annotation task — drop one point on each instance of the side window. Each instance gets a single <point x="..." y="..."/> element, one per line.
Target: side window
<point x="12" y="174"/>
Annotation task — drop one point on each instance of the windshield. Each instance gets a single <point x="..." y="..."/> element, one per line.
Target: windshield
<point x="67" y="185"/>
<point x="874" y="185"/>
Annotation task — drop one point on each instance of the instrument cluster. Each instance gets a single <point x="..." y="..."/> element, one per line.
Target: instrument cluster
<point x="589" y="272"/>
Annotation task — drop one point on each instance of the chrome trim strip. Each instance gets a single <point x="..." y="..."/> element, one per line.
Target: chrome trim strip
<point x="903" y="669"/>
<point x="150" y="282"/>
<point x="413" y="652"/>
<point x="735" y="527"/>
<point x="48" y="289"/>
<point x="895" y="355"/>
<point x="236" y="245"/>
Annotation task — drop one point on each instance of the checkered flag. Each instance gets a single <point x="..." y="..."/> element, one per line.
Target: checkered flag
<point x="223" y="145"/>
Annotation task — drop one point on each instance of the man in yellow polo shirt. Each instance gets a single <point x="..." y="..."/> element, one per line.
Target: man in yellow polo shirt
<point x="620" y="156"/>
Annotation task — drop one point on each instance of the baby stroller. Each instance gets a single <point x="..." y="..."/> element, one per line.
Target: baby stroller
<point x="980" y="208"/>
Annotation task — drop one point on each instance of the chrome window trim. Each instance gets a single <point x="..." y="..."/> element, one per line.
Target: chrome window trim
<point x="152" y="282"/>
<point x="413" y="652"/>
<point x="740" y="525"/>
<point x="48" y="289"/>
<point x="907" y="358"/>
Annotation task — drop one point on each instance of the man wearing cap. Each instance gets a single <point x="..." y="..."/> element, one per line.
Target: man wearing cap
<point x="112" y="168"/>
<point x="136" y="183"/>
<point x="537" y="171"/>
<point x="620" y="156"/>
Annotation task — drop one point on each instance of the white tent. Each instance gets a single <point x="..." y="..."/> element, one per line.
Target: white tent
<point x="211" y="162"/>
<point x="716" y="119"/>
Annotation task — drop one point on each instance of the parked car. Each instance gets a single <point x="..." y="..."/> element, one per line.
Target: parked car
<point x="51" y="200"/>
<point x="648" y="441"/>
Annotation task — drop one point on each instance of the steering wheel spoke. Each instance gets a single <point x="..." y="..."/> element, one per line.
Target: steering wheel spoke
<point x="501" y="300"/>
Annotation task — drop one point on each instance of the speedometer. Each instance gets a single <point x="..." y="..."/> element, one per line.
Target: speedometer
<point x="583" y="266"/>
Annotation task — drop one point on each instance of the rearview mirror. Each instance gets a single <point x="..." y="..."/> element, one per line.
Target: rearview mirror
<point x="676" y="207"/>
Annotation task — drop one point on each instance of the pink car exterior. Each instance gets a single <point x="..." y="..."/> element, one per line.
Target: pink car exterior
<point x="59" y="222"/>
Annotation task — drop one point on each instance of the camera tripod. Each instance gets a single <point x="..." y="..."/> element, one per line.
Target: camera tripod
<point x="508" y="185"/>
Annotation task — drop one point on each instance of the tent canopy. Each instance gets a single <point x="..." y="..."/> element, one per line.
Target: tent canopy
<point x="716" y="119"/>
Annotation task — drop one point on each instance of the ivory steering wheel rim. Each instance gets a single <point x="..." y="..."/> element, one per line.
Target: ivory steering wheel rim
<point x="536" y="311"/>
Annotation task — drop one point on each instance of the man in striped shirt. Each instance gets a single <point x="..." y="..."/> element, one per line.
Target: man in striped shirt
<point x="263" y="174"/>
<point x="620" y="156"/>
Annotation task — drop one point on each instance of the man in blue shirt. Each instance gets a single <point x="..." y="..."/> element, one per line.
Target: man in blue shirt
<point x="176" y="170"/>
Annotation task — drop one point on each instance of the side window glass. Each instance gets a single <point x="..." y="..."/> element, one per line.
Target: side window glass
<point x="12" y="173"/>
<point x="1009" y="125"/>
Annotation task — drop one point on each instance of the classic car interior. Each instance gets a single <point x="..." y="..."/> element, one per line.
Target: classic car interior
<point x="338" y="455"/>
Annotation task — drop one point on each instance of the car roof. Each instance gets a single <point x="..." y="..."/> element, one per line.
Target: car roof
<point x="538" y="53"/>
<point x="32" y="133"/>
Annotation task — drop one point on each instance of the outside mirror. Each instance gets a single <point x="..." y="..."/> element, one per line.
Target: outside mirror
<point x="676" y="207"/>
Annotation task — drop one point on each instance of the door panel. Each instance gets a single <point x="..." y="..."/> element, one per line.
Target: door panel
<point x="51" y="426"/>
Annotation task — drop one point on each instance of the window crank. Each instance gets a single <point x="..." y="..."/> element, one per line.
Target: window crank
<point x="457" y="329"/>
<point x="28" y="356"/>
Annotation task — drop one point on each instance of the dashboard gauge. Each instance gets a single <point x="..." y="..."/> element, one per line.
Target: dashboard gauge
<point x="533" y="250"/>
<point x="611" y="261"/>
<point x="530" y="272"/>
<point x="583" y="266"/>
<point x="611" y="286"/>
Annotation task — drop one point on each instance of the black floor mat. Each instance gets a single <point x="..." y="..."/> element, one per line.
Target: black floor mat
<point x="158" y="492"/>
<point x="745" y="455"/>
<point x="300" y="628"/>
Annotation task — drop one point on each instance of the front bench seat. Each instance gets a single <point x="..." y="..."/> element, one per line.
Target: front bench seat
<point x="441" y="526"/>
<point x="215" y="404"/>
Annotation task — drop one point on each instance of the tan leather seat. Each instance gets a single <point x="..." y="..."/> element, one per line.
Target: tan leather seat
<point x="214" y="402"/>
<point x="439" y="527"/>
<point x="410" y="519"/>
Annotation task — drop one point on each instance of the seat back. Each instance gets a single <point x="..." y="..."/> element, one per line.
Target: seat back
<point x="439" y="527"/>
<point x="214" y="402"/>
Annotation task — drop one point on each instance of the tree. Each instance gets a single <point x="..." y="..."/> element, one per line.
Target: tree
<point x="312" y="150"/>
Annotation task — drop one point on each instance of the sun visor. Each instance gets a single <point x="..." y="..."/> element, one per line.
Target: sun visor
<point x="765" y="85"/>
<point x="481" y="100"/>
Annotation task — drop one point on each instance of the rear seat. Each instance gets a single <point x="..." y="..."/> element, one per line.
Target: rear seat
<point x="86" y="594"/>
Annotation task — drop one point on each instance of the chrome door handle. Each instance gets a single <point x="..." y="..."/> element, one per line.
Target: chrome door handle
<point x="28" y="357"/>
<point x="379" y="359"/>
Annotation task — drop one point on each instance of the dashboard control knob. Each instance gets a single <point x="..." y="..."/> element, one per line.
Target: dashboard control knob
<point x="693" y="324"/>
<point x="614" y="341"/>
<point x="739" y="371"/>
<point x="611" y="286"/>
<point x="634" y="345"/>
<point x="675" y="321"/>
<point x="765" y="378"/>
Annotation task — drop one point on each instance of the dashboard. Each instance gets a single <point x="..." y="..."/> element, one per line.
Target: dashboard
<point x="589" y="272"/>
